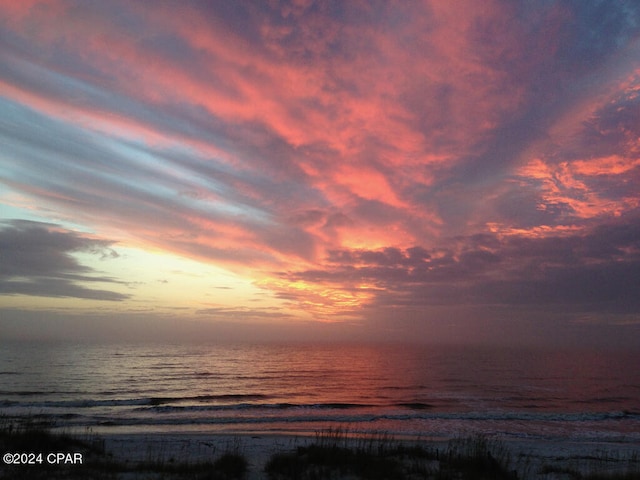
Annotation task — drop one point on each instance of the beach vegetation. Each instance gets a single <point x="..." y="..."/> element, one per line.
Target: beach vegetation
<point x="336" y="454"/>
<point x="230" y="466"/>
<point x="36" y="435"/>
<point x="476" y="457"/>
<point x="557" y="470"/>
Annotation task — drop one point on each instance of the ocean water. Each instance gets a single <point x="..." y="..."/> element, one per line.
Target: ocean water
<point x="401" y="390"/>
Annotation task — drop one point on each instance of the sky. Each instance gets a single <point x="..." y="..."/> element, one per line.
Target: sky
<point x="429" y="171"/>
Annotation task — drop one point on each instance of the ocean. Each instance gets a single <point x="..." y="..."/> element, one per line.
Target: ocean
<point x="400" y="390"/>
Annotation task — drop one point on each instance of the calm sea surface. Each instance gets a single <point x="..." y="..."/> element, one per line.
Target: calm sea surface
<point x="399" y="390"/>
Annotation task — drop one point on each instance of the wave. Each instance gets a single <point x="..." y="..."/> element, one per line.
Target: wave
<point x="363" y="418"/>
<point x="403" y="412"/>
<point x="24" y="393"/>
<point x="247" y="397"/>
<point x="611" y="399"/>
<point x="141" y="402"/>
<point x="415" y="405"/>
<point x="339" y="406"/>
<point x="257" y="406"/>
<point x="35" y="393"/>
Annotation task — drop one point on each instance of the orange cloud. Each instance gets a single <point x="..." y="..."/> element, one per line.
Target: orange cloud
<point x="566" y="183"/>
<point x="326" y="302"/>
<point x="612" y="165"/>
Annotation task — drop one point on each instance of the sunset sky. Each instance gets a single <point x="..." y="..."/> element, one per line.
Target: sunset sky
<point x="447" y="171"/>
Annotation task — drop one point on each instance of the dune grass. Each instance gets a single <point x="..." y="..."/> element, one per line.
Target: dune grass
<point x="335" y="454"/>
<point x="338" y="454"/>
<point x="30" y="436"/>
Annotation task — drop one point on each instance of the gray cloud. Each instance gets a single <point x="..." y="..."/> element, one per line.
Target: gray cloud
<point x="243" y="313"/>
<point x="596" y="271"/>
<point x="37" y="259"/>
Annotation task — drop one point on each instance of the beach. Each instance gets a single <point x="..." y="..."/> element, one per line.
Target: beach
<point x="183" y="455"/>
<point x="531" y="460"/>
